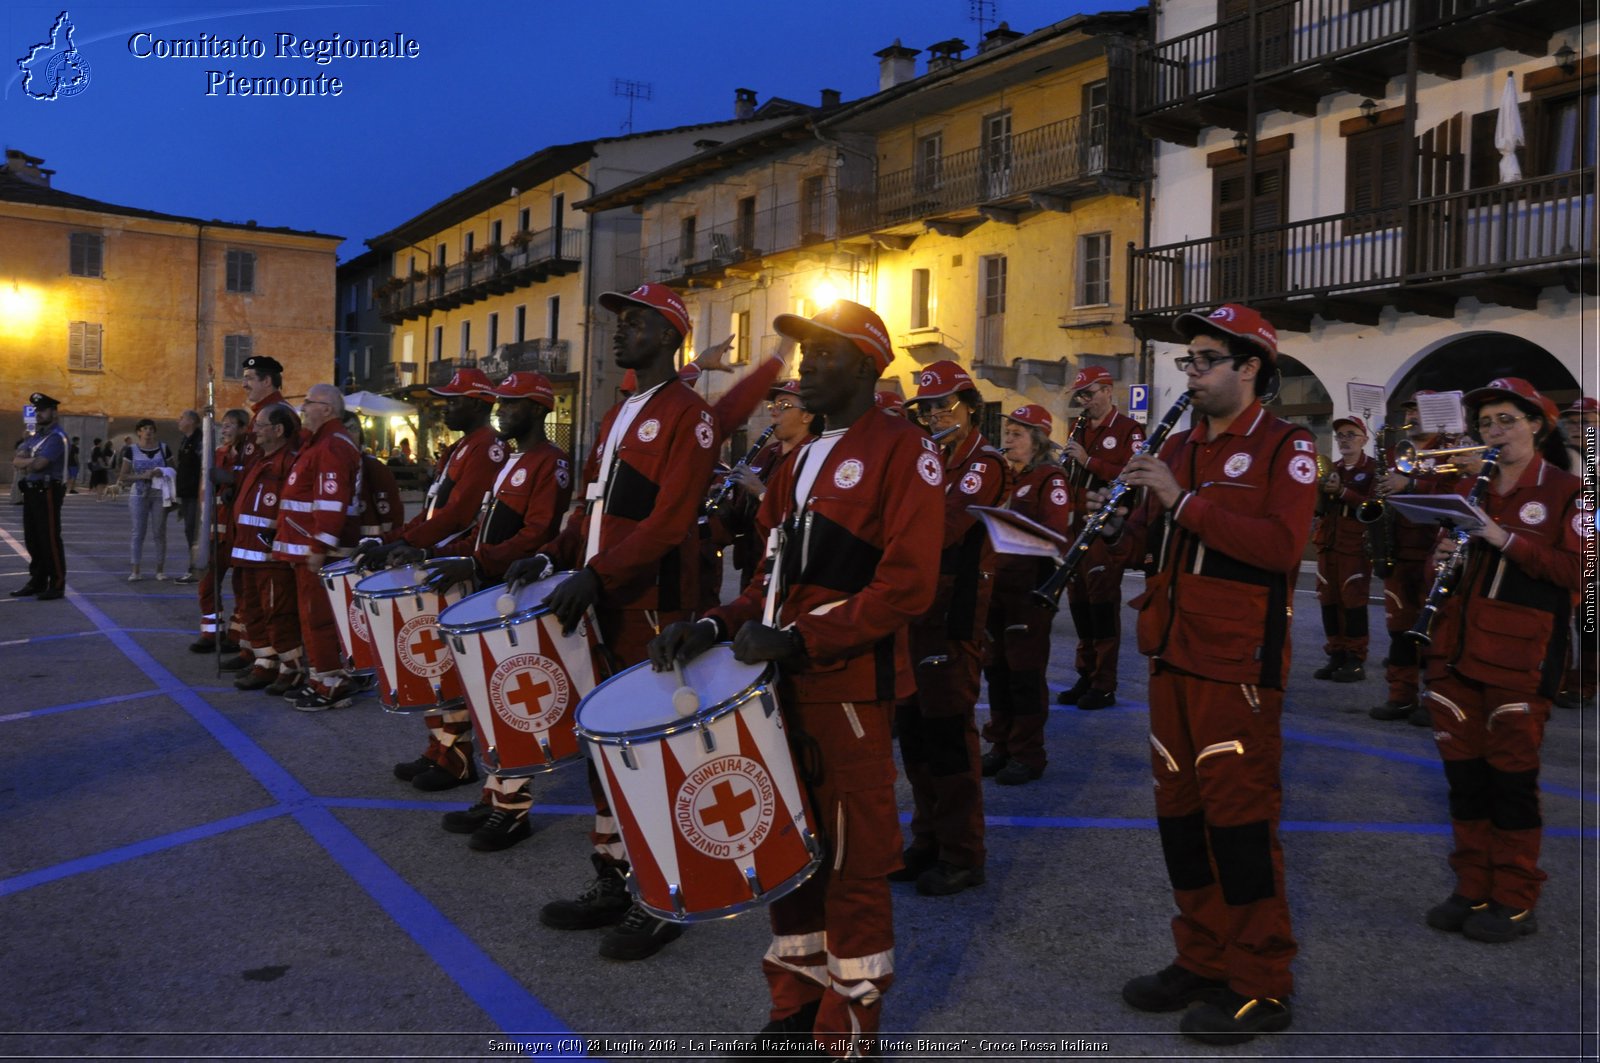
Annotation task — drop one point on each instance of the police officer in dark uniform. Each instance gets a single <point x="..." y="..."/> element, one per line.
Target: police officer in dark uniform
<point x="40" y="466"/>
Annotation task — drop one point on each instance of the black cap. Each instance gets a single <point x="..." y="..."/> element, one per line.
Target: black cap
<point x="39" y="398"/>
<point x="263" y="364"/>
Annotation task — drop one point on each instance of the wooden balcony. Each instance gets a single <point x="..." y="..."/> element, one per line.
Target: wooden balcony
<point x="440" y="372"/>
<point x="529" y="258"/>
<point x="1298" y="51"/>
<point x="549" y="357"/>
<point x="1503" y="244"/>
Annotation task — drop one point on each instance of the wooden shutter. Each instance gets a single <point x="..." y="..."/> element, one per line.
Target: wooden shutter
<point x="1373" y="178"/>
<point x="83" y="346"/>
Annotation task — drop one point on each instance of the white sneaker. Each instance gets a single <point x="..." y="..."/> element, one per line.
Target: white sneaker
<point x="134" y="577"/>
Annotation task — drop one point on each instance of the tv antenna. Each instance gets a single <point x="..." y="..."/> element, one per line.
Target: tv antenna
<point x="633" y="90"/>
<point x="982" y="12"/>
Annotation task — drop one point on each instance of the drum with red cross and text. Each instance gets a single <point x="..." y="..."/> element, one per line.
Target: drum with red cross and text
<point x="709" y="805"/>
<point x="339" y="579"/>
<point x="523" y="678"/>
<point x="415" y="669"/>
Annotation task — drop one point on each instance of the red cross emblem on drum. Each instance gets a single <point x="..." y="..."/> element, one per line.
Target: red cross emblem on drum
<point x="422" y="651"/>
<point x="529" y="692"/>
<point x="725" y="807"/>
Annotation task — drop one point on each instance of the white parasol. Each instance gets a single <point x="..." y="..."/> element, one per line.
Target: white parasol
<point x="1508" y="135"/>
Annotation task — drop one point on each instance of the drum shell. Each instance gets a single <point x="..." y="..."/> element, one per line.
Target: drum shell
<point x="415" y="670"/>
<point x="355" y="635"/>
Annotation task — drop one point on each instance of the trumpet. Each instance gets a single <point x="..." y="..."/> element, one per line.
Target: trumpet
<point x="1408" y="459"/>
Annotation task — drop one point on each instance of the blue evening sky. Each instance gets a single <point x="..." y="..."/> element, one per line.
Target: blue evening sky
<point x="493" y="82"/>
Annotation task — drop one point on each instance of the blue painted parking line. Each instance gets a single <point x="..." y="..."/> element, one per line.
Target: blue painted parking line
<point x="70" y="706"/>
<point x="434" y="806"/>
<point x="93" y="634"/>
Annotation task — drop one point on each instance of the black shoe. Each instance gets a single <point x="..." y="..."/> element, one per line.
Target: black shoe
<point x="1232" y="1019"/>
<point x="639" y="936"/>
<point x="228" y="646"/>
<point x="288" y="685"/>
<point x="1500" y="923"/>
<point x="1452" y="913"/>
<point x="1335" y="662"/>
<point x="1349" y="672"/>
<point x="463" y="821"/>
<point x="257" y="678"/>
<point x="317" y="699"/>
<point x="1071" y="695"/>
<point x="917" y="860"/>
<point x="51" y="593"/>
<point x="1420" y="716"/>
<point x="993" y="761"/>
<point x="1392" y="710"/>
<point x="27" y="590"/>
<point x="945" y="878"/>
<point x="1566" y="699"/>
<point x="603" y="902"/>
<point x="410" y="769"/>
<point x="1170" y="989"/>
<point x="238" y="664"/>
<point x="1096" y="699"/>
<point x="436" y="778"/>
<point x="789" y="1037"/>
<point x="1016" y="773"/>
<point x="503" y="829"/>
<point x="802" y="1021"/>
<point x="204" y="644"/>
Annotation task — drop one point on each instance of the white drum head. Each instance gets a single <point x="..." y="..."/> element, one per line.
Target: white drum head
<point x="393" y="582"/>
<point x="482" y="610"/>
<point x="640" y="700"/>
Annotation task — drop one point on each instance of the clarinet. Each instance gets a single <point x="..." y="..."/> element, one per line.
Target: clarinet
<point x="1445" y="572"/>
<point x="729" y="483"/>
<point x="1048" y="593"/>
<point x="1075" y="472"/>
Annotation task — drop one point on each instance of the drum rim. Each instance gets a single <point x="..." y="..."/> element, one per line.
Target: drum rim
<point x="408" y="591"/>
<point x="680" y="724"/>
<point x="477" y="627"/>
<point x="787" y="886"/>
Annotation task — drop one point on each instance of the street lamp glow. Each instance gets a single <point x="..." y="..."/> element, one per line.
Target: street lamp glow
<point x="824" y="294"/>
<point x="20" y="307"/>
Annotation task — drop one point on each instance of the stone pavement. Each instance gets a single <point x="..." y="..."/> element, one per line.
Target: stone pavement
<point x="192" y="872"/>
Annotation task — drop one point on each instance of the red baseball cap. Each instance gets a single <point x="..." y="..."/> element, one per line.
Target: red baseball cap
<point x="785" y="387"/>
<point x="1354" y="422"/>
<point x="941" y="379"/>
<point x="1584" y="404"/>
<point x="889" y="402"/>
<point x="1033" y="416"/>
<point x="468" y="381"/>
<point x="528" y="385"/>
<point x="1234" y="320"/>
<point x="845" y="319"/>
<point x="1518" y="391"/>
<point x="657" y="297"/>
<point x="1089" y="376"/>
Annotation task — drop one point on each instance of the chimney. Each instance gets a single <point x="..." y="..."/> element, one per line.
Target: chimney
<point x="26" y="167"/>
<point x="830" y="98"/>
<point x="744" y="103"/>
<point x="998" y="37"/>
<point x="896" y="65"/>
<point x="945" y="54"/>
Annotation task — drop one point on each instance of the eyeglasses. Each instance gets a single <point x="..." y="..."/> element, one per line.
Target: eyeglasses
<point x="937" y="405"/>
<point x="317" y="402"/>
<point x="1201" y="362"/>
<point x="1347" y="436"/>
<point x="1504" y="420"/>
<point x="781" y="407"/>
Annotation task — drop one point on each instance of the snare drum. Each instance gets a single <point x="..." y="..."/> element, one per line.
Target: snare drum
<point x="355" y="638"/>
<point x="709" y="805"/>
<point x="414" y="666"/>
<point x="522" y="676"/>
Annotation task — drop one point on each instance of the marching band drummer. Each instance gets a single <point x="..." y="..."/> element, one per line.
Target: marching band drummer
<point x="1496" y="658"/>
<point x="1018" y="625"/>
<point x="529" y="498"/>
<point x="937" y="728"/>
<point x="634" y="544"/>
<point x="1102" y="442"/>
<point x="1215" y="621"/>
<point x="859" y="566"/>
<point x="1344" y="570"/>
<point x="466" y="474"/>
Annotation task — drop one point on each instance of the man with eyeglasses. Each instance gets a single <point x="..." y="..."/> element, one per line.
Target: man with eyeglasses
<point x="1344" y="570"/>
<point x="1227" y="513"/>
<point x="1098" y="446"/>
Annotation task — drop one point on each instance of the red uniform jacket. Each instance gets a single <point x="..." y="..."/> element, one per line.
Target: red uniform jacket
<point x="1505" y="624"/>
<point x="317" y="514"/>
<point x="222" y="518"/>
<point x="382" y="510"/>
<point x="1220" y="602"/>
<point x="647" y="557"/>
<point x="1040" y="494"/>
<point x="974" y="475"/>
<point x="857" y="562"/>
<point x="1109" y="447"/>
<point x="255" y="510"/>
<point x="531" y="494"/>
<point x="466" y="476"/>
<point x="1338" y="529"/>
<point x="249" y="449"/>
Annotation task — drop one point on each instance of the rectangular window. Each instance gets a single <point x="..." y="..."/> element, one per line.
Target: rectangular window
<point x="371" y="290"/>
<point x="1372" y="180"/>
<point x="351" y="295"/>
<point x="494" y="234"/>
<point x="520" y="324"/>
<point x="558" y="211"/>
<point x="87" y="252"/>
<point x="438" y="343"/>
<point x="441" y="255"/>
<point x="921" y="298"/>
<point x="1094" y="269"/>
<point x="83" y="346"/>
<point x="523" y="217"/>
<point x="467" y="244"/>
<point x="994" y="284"/>
<point x="997" y="155"/>
<point x="235" y="349"/>
<point x="992" y="309"/>
<point x="466" y="340"/>
<point x="745" y="236"/>
<point x="741" y="338"/>
<point x="686" y="239"/>
<point x="1096" y="121"/>
<point x="494" y="333"/>
<point x="366" y="362"/>
<point x="241" y="271"/>
<point x="553" y="318"/>
<point x="813" y="194"/>
<point x="929" y="167"/>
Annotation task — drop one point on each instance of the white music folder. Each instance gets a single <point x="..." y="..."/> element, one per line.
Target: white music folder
<point x="1012" y="533"/>
<point x="1452" y="511"/>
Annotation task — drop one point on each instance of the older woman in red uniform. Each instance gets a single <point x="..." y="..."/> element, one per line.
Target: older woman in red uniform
<point x="1496" y="657"/>
<point x="1019" y="626"/>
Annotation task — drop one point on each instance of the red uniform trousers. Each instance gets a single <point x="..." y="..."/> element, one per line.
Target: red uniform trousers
<point x="211" y="606"/>
<point x="833" y="938"/>
<point x="1018" y="694"/>
<point x="625" y="633"/>
<point x="939" y="746"/>
<point x="1094" y="597"/>
<point x="272" y="624"/>
<point x="1215" y="754"/>
<point x="1404" y="591"/>
<point x="1343" y="583"/>
<point x="318" y="630"/>
<point x="1489" y="740"/>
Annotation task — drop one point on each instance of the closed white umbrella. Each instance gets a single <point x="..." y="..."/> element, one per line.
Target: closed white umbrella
<point x="377" y="405"/>
<point x="1508" y="136"/>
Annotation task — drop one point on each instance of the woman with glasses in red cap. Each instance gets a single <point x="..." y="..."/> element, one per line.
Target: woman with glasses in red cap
<point x="1019" y="700"/>
<point x="1495" y="660"/>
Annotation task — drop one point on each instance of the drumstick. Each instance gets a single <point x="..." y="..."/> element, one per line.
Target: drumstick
<point x="684" y="700"/>
<point x="506" y="604"/>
